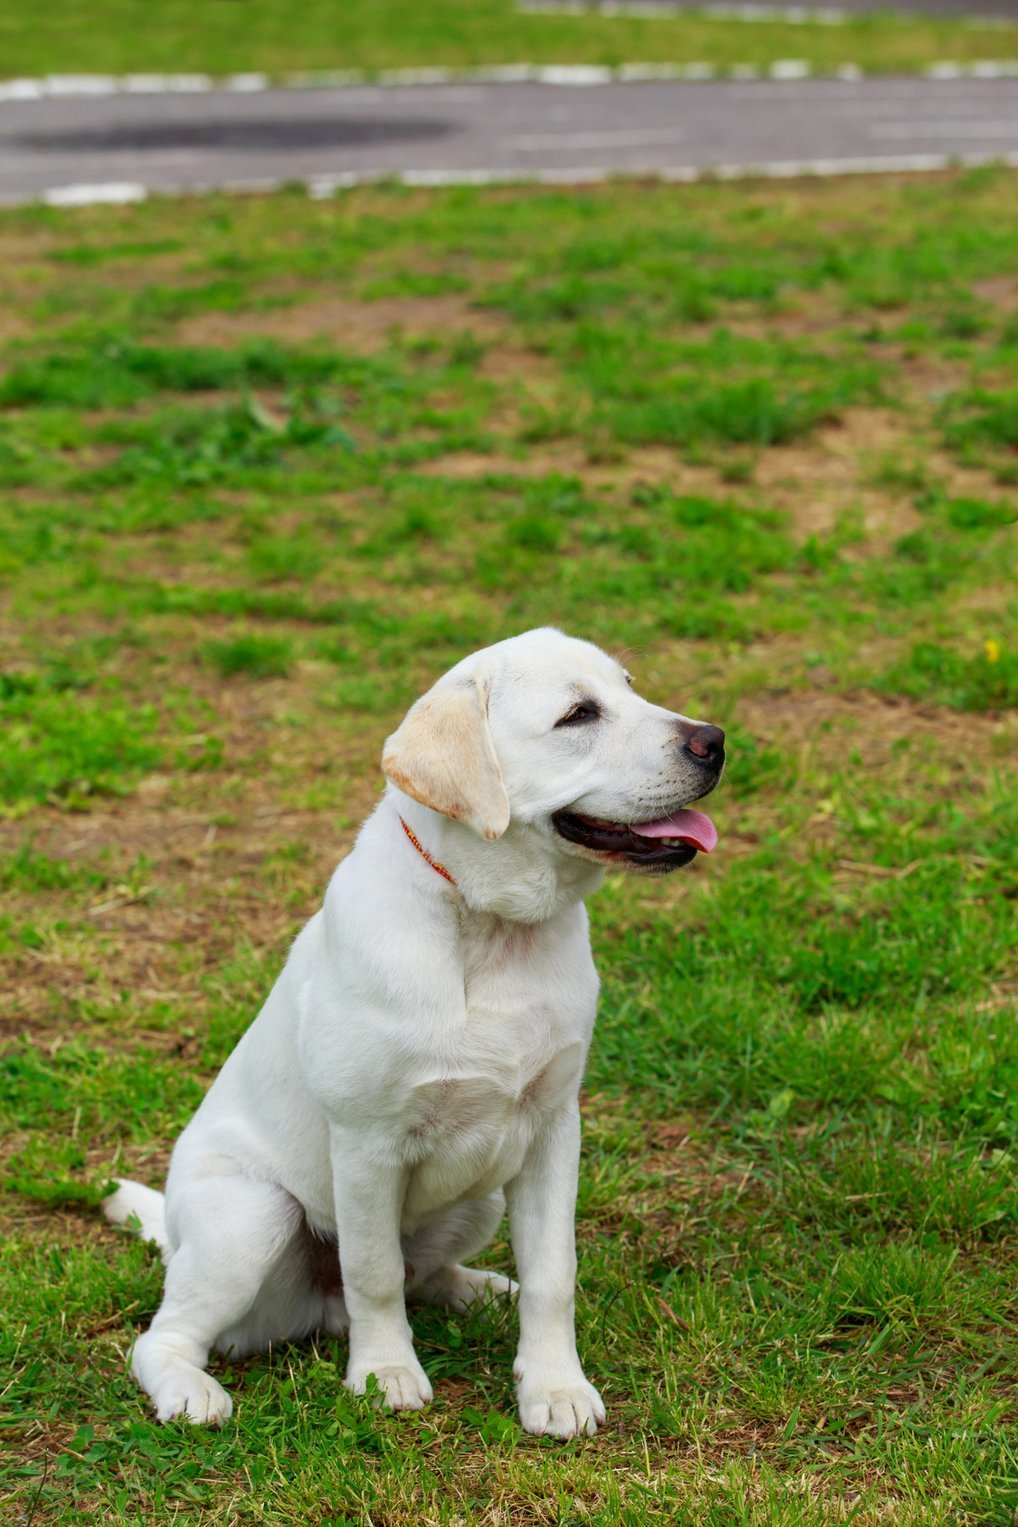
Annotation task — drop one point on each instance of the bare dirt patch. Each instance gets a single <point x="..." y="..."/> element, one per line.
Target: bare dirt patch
<point x="831" y="724"/>
<point x="358" y="326"/>
<point x="926" y="378"/>
<point x="507" y="362"/>
<point x="206" y="895"/>
<point x="563" y="458"/>
<point x="193" y="867"/>
<point x="12" y="327"/>
<point x="819" y="480"/>
<point x="132" y="272"/>
<point x="1001" y="292"/>
<point x="800" y="316"/>
<point x="815" y="482"/>
<point x="649" y="465"/>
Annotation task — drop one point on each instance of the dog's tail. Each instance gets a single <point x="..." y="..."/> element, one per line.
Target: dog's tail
<point x="142" y="1210"/>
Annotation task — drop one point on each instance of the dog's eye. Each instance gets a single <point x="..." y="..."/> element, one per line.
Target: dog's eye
<point x="585" y="711"/>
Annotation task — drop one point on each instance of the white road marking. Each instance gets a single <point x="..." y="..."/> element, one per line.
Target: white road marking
<point x="247" y="83"/>
<point x="116" y="191"/>
<point x="21" y="90"/>
<point x="787" y="69"/>
<point x="80" y="84"/>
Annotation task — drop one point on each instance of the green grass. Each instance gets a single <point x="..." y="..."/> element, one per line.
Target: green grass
<point x="985" y="681"/>
<point x="266" y="468"/>
<point x="232" y="35"/>
<point x="262" y="656"/>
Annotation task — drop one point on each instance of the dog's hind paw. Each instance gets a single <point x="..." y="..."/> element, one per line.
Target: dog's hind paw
<point x="458" y="1288"/>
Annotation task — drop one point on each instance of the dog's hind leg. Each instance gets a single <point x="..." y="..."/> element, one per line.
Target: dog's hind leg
<point x="436" y="1250"/>
<point x="230" y="1235"/>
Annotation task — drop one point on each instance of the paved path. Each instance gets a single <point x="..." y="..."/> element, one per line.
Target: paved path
<point x="473" y="131"/>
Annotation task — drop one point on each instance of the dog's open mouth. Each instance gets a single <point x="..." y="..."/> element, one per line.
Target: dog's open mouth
<point x="664" y="844"/>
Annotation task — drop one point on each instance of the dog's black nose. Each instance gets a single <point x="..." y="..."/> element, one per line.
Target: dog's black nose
<point x="706" y="744"/>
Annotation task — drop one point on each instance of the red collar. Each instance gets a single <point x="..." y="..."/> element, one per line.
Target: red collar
<point x="424" y="853"/>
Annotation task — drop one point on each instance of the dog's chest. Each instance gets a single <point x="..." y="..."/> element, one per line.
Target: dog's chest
<point x="510" y="1066"/>
<point x="468" y="1134"/>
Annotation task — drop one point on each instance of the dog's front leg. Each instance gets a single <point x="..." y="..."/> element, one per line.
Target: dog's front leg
<point x="369" y="1198"/>
<point x="555" y="1398"/>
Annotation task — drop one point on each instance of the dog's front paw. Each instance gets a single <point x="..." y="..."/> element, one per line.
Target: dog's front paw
<point x="559" y="1405"/>
<point x="198" y="1397"/>
<point x="404" y="1386"/>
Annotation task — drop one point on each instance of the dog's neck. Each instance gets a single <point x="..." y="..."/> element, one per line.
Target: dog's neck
<point x="523" y="877"/>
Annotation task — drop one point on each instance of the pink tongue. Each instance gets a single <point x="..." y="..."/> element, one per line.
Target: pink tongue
<point x="691" y="826"/>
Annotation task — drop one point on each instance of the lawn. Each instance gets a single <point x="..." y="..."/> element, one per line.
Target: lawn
<point x="268" y="466"/>
<point x="223" y="36"/>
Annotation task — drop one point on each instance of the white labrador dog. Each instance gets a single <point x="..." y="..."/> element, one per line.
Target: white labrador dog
<point x="417" y="1064"/>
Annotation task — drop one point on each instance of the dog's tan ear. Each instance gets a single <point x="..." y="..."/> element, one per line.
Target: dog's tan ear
<point x="444" y="757"/>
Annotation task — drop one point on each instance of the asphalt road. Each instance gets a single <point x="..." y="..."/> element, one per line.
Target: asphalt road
<point x="973" y="10"/>
<point x="175" y="142"/>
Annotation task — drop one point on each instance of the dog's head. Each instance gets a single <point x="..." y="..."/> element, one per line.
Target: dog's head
<point x="547" y="732"/>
